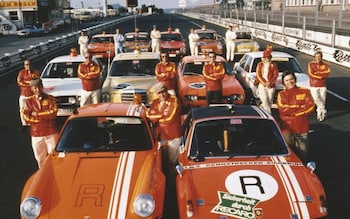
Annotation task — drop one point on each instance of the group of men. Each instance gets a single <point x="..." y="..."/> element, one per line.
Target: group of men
<point x="295" y="104"/>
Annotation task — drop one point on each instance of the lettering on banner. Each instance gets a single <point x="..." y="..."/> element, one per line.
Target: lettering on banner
<point x="260" y="33"/>
<point x="341" y="56"/>
<point x="307" y="46"/>
<point x="279" y="38"/>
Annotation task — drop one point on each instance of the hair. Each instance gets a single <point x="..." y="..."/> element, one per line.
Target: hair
<point x="287" y="72"/>
<point x="318" y="52"/>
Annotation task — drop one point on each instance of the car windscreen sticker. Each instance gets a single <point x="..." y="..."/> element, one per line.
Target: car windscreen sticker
<point x="235" y="206"/>
<point x="236" y="121"/>
<point x="252" y="183"/>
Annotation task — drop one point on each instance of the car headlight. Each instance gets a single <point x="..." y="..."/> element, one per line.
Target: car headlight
<point x="105" y="98"/>
<point x="72" y="100"/>
<point x="144" y="205"/>
<point x="30" y="208"/>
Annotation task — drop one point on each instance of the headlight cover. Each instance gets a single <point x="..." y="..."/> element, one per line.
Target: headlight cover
<point x="30" y="208"/>
<point x="144" y="205"/>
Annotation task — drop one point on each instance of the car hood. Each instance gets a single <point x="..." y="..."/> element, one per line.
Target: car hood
<point x="91" y="185"/>
<point x="247" y="185"/>
<point x="195" y="84"/>
<point x="123" y="83"/>
<point x="171" y="44"/>
<point x="62" y="86"/>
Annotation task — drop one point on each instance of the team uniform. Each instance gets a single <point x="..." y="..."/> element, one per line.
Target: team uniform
<point x="213" y="74"/>
<point x="89" y="73"/>
<point x="318" y="73"/>
<point x="23" y="80"/>
<point x="43" y="128"/>
<point x="295" y="106"/>
<point x="266" y="72"/>
<point x="166" y="73"/>
<point x="168" y="116"/>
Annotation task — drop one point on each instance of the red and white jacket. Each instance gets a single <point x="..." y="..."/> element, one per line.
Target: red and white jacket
<point x="213" y="74"/>
<point x="166" y="73"/>
<point x="294" y="106"/>
<point x="23" y="80"/>
<point x="271" y="75"/>
<point x="45" y="122"/>
<point x="318" y="73"/>
<point x="168" y="116"/>
<point x="89" y="73"/>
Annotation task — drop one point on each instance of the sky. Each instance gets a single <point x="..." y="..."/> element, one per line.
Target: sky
<point x="157" y="3"/>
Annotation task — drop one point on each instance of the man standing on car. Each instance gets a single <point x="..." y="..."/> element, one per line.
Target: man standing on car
<point x="89" y="73"/>
<point x="295" y="105"/>
<point x="318" y="72"/>
<point x="166" y="72"/>
<point x="155" y="37"/>
<point x="40" y="112"/>
<point x="230" y="38"/>
<point x="192" y="39"/>
<point x="118" y="41"/>
<point x="23" y="80"/>
<point x="165" y="112"/>
<point x="213" y="73"/>
<point x="266" y="77"/>
<point x="83" y="42"/>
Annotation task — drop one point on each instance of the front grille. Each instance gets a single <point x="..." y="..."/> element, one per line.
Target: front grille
<point x="128" y="96"/>
<point x="62" y="101"/>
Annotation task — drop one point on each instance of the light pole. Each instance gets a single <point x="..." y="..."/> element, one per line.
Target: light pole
<point x="82" y="4"/>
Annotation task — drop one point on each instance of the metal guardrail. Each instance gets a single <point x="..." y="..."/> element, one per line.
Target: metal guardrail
<point x="12" y="60"/>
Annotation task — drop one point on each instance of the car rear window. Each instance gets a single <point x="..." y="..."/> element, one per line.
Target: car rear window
<point x="171" y="37"/>
<point x="104" y="134"/>
<point x="102" y="40"/>
<point x="237" y="137"/>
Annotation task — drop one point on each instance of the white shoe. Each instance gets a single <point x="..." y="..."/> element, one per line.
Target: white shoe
<point x="321" y="116"/>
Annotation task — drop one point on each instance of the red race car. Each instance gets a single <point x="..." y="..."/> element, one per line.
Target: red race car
<point x="235" y="164"/>
<point x="106" y="165"/>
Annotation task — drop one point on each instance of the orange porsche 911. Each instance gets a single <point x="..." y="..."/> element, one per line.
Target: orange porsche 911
<point x="106" y="165"/>
<point x="236" y="164"/>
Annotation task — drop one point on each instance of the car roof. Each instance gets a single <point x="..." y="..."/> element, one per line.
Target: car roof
<point x="104" y="109"/>
<point x="242" y="30"/>
<point x="67" y="58"/>
<point x="228" y="110"/>
<point x="135" y="55"/>
<point x="274" y="54"/>
<point x="205" y="31"/>
<point x="200" y="58"/>
<point x="133" y="33"/>
<point x="102" y="35"/>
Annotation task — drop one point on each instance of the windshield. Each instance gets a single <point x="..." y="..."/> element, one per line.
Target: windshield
<point x="104" y="134"/>
<point x="243" y="35"/>
<point x="61" y="70"/>
<point x="102" y="40"/>
<point x="136" y="67"/>
<point x="171" y="37"/>
<point x="140" y="37"/>
<point x="197" y="68"/>
<point x="283" y="64"/>
<point x="237" y="137"/>
<point x="206" y="35"/>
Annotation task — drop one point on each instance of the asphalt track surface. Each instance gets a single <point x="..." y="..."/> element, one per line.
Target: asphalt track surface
<point x="329" y="140"/>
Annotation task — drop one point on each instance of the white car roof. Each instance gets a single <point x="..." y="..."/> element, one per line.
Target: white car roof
<point x="275" y="54"/>
<point x="67" y="58"/>
<point x="134" y="55"/>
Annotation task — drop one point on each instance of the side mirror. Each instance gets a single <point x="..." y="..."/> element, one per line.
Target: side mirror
<point x="312" y="166"/>
<point x="179" y="170"/>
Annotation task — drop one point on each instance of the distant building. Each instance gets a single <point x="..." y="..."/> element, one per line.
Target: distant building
<point x="15" y="14"/>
